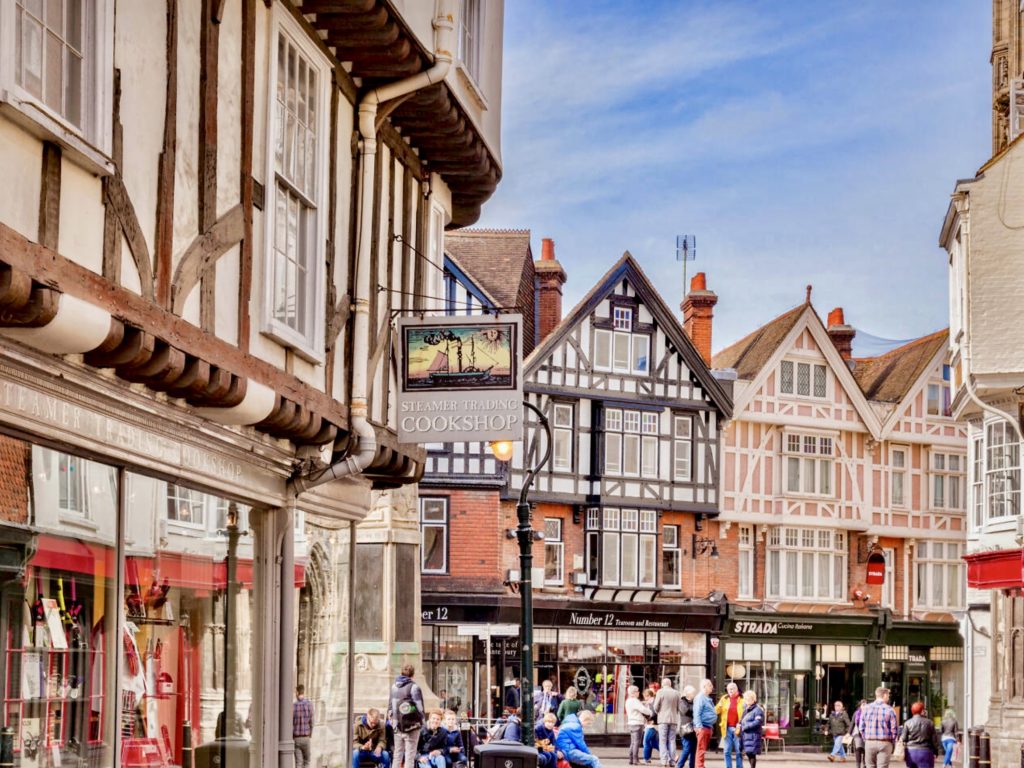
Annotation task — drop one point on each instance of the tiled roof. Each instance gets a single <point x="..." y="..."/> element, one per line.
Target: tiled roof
<point x="748" y="355"/>
<point x="888" y="378"/>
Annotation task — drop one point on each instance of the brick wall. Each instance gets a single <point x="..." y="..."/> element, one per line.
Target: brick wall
<point x="476" y="535"/>
<point x="14" y="477"/>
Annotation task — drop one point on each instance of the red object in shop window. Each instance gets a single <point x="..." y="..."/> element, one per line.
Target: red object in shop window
<point x="142" y="753"/>
<point x="165" y="685"/>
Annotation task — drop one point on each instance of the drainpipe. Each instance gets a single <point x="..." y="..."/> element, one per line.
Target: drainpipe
<point x="366" y="448"/>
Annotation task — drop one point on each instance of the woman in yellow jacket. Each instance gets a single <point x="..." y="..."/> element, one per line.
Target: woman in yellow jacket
<point x="730" y="713"/>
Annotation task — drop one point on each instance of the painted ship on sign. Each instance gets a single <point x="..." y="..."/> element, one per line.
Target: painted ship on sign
<point x="459" y="357"/>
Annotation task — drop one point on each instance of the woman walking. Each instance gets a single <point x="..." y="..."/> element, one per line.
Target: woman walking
<point x="950" y="736"/>
<point x="921" y="739"/>
<point x="750" y="728"/>
<point x="571" y="705"/>
<point x="636" y="717"/>
<point x="858" y="735"/>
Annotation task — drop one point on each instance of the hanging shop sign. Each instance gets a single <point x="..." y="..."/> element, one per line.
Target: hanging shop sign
<point x="460" y="379"/>
<point x="876" y="568"/>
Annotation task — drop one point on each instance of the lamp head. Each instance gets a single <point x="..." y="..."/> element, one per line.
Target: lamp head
<point x="502" y="449"/>
<point x="714" y="551"/>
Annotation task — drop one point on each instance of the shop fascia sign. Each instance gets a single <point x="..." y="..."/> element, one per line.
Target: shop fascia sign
<point x="460" y="379"/>
<point x="769" y="627"/>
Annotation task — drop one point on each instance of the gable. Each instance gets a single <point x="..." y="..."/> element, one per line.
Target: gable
<point x="913" y="420"/>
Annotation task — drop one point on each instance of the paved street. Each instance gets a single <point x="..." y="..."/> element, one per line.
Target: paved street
<point x="617" y="757"/>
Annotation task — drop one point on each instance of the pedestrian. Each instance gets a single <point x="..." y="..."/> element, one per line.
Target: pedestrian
<point x="513" y="695"/>
<point x="513" y="727"/>
<point x="545" y="700"/>
<point x="302" y="726"/>
<point x="730" y="712"/>
<point x="650" y="727"/>
<point x="858" y="734"/>
<point x="571" y="705"/>
<point x="838" y="726"/>
<point x="687" y="732"/>
<point x="544" y="736"/>
<point x="406" y="707"/>
<point x="455" y="755"/>
<point x="572" y="744"/>
<point x="950" y="736"/>
<point x="433" y="742"/>
<point x="920" y="738"/>
<point x="636" y="718"/>
<point x="880" y="729"/>
<point x="666" y="710"/>
<point x="704" y="719"/>
<point x="370" y="741"/>
<point x="751" y="728"/>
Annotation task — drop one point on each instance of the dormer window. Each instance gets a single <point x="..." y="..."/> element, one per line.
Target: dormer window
<point x="803" y="379"/>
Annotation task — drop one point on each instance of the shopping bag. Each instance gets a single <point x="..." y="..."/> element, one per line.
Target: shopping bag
<point x="899" y="751"/>
<point x="847" y="739"/>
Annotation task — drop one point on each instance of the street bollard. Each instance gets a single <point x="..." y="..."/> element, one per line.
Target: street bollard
<point x="984" y="750"/>
<point x="1022" y="755"/>
<point x="973" y="740"/>
<point x="7" y="747"/>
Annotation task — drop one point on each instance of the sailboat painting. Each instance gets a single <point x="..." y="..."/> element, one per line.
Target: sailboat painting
<point x="446" y="358"/>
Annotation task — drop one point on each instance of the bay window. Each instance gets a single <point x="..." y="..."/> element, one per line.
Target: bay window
<point x="939" y="575"/>
<point x="803" y="379"/>
<point x="898" y="476"/>
<point x="947" y="480"/>
<point x="1002" y="470"/>
<point x="621" y="547"/>
<point x="806" y="564"/>
<point x="808" y="464"/>
<point x="631" y="443"/>
<point x="562" y="438"/>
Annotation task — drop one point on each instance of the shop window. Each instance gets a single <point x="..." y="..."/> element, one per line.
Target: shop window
<point x="808" y="464"/>
<point x="940" y="396"/>
<point x="898" y="476"/>
<point x="621" y="548"/>
<point x="631" y="443"/>
<point x="746" y="561"/>
<point x="806" y="564"/>
<point x="562" y="438"/>
<point x="803" y="379"/>
<point x="554" y="552"/>
<point x="947" y="480"/>
<point x="1002" y="470"/>
<point x="939" y="575"/>
<point x="682" y="448"/>
<point x="434" y="535"/>
<point x="671" y="558"/>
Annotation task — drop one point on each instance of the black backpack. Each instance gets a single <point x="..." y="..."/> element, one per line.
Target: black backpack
<point x="408" y="715"/>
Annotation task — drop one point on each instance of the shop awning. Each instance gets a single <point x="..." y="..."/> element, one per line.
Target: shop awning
<point x="1003" y="569"/>
<point x="73" y="555"/>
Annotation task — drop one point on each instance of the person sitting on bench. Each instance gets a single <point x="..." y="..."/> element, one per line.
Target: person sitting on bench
<point x="370" y="741"/>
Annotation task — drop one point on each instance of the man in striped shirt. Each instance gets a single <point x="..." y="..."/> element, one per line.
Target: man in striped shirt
<point x="879" y="729"/>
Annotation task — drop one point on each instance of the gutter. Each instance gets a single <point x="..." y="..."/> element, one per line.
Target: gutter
<point x="366" y="446"/>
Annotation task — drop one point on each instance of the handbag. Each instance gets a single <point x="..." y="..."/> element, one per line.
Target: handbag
<point x="899" y="751"/>
<point x="686" y="729"/>
<point x="847" y="739"/>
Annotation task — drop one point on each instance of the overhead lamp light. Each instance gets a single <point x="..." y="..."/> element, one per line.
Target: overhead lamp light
<point x="502" y="449"/>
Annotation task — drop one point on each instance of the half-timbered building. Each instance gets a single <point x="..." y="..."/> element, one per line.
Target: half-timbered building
<point x="630" y="488"/>
<point x="832" y="462"/>
<point x="214" y="213"/>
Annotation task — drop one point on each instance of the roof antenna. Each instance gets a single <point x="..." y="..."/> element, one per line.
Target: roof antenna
<point x="809" y="288"/>
<point x="686" y="250"/>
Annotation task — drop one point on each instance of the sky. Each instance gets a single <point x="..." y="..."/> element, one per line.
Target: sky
<point x="802" y="142"/>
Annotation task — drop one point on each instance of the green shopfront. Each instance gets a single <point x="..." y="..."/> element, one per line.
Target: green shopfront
<point x="800" y="664"/>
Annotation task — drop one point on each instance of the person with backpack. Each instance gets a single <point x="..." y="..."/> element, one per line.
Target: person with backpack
<point x="406" y="708"/>
<point x="433" y="742"/>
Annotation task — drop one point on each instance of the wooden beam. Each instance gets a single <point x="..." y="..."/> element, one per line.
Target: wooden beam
<point x="49" y="196"/>
<point x="209" y="46"/>
<point x="117" y="201"/>
<point x="46" y="266"/>
<point x="248" y="117"/>
<point x="165" y="169"/>
<point x="203" y="253"/>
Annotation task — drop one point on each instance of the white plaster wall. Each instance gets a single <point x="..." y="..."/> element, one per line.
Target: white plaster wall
<point x="186" y="175"/>
<point x="140" y="53"/>
<point x="190" y="310"/>
<point x="129" y="272"/>
<point x="996" y="263"/>
<point x="21" y="157"/>
<point x="81" y="216"/>
<point x="228" y="274"/>
<point x="229" y="109"/>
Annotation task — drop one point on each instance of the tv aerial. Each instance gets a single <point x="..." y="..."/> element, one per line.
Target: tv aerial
<point x="686" y="251"/>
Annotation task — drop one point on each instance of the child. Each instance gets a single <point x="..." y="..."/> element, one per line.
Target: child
<point x="456" y="753"/>
<point x="433" y="742"/>
<point x="544" y="737"/>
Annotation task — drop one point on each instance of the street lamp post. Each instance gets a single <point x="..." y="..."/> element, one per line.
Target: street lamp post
<point x="524" y="534"/>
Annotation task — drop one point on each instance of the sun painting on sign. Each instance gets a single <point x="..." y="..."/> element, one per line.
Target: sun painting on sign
<point x="459" y="357"/>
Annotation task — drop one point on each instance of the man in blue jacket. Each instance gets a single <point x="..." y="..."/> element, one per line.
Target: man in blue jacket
<point x="704" y="719"/>
<point x="570" y="740"/>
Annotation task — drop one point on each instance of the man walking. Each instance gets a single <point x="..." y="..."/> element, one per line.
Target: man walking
<point x="302" y="726"/>
<point x="666" y="710"/>
<point x="730" y="713"/>
<point x="406" y="708"/>
<point x="838" y="726"/>
<point x="880" y="729"/>
<point x="704" y="718"/>
<point x="514" y="696"/>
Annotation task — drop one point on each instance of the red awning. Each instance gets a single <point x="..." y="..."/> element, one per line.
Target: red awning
<point x="73" y="555"/>
<point x="996" y="570"/>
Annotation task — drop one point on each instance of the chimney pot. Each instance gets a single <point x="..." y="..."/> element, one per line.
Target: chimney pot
<point x="699" y="282"/>
<point x="698" y="312"/>
<point x="841" y="333"/>
<point x="547" y="249"/>
<point x="835" y="317"/>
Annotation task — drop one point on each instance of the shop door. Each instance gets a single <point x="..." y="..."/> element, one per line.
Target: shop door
<point x="892" y="678"/>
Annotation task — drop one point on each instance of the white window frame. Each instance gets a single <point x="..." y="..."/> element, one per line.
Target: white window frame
<point x="682" y="448"/>
<point x="621" y="532"/>
<point x="622" y="319"/>
<point x="471" y="28"/>
<point x="562" y="441"/>
<point x="1002" y="471"/>
<point x="555" y="544"/>
<point x="977" y="481"/>
<point x="444" y="525"/>
<point x="745" y="571"/>
<point x="90" y="141"/>
<point x="434" y="284"/>
<point x="899" y="476"/>
<point x="813" y="370"/>
<point x="943" y="389"/>
<point x="199" y="503"/>
<point x="951" y="481"/>
<point x="626" y="361"/>
<point x="310" y="344"/>
<point x="671" y="548"/>
<point x="66" y="464"/>
<point x="814" y="453"/>
<point x="931" y="571"/>
<point x="888" y="596"/>
<point x="792" y="551"/>
<point x="623" y="428"/>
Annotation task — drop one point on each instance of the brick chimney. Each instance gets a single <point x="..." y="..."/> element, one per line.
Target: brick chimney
<point x="550" y="278"/>
<point x="841" y="333"/>
<point x="698" y="309"/>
